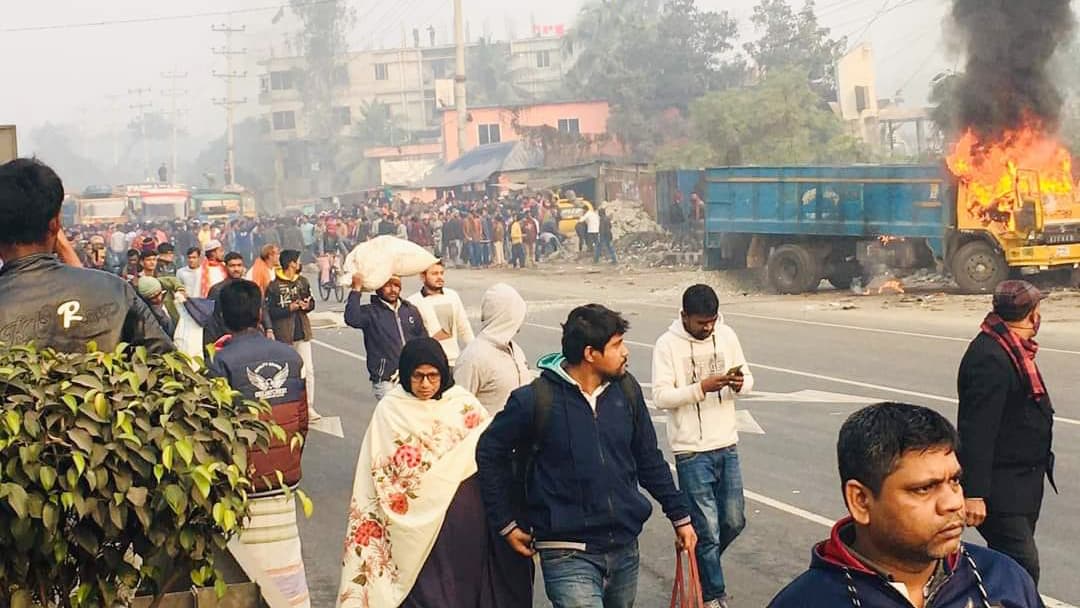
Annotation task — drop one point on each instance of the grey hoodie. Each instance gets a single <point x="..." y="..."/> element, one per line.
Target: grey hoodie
<point x="493" y="365"/>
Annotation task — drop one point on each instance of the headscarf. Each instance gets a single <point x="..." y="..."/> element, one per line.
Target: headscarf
<point x="424" y="351"/>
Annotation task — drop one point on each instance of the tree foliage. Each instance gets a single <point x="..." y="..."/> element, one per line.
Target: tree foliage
<point x="377" y="126"/>
<point x="645" y="58"/>
<point x="795" y="39"/>
<point x="121" y="471"/>
<point x="490" y="75"/>
<point x="779" y="121"/>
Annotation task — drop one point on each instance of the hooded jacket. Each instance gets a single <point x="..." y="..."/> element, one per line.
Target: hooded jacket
<point x="385" y="331"/>
<point x="492" y="366"/>
<point x="582" y="491"/>
<point x="282" y="292"/>
<point x="975" y="577"/>
<point x="445" y="312"/>
<point x="697" y="422"/>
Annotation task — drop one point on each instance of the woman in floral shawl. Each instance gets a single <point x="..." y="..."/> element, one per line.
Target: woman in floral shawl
<point x="417" y="534"/>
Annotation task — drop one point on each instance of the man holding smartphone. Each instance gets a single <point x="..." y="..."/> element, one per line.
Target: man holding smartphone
<point x="698" y="368"/>
<point x="288" y="302"/>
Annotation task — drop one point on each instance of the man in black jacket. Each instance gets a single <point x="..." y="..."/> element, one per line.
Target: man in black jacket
<point x="50" y="300"/>
<point x="1006" y="426"/>
<point x="388" y="322"/>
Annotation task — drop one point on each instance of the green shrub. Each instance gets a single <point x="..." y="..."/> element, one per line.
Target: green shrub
<point x="118" y="471"/>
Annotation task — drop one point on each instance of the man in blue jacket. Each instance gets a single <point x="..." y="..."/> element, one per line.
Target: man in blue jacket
<point x="388" y="322"/>
<point x="901" y="545"/>
<point x="582" y="507"/>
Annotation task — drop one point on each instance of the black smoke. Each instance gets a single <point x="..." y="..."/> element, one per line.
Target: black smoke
<point x="1009" y="44"/>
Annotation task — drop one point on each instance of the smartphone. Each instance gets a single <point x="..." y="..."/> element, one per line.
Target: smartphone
<point x="734" y="371"/>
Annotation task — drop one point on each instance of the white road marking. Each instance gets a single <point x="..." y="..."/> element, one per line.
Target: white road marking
<point x="807" y="396"/>
<point x="795" y="372"/>
<point x="329" y="425"/>
<point x="751" y="495"/>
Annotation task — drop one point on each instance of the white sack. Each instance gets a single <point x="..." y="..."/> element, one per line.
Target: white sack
<point x="383" y="257"/>
<point x="188" y="337"/>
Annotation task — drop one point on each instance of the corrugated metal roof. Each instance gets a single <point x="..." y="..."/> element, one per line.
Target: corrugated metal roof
<point x="480" y="163"/>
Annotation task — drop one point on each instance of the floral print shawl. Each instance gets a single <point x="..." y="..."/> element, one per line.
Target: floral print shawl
<point x="414" y="456"/>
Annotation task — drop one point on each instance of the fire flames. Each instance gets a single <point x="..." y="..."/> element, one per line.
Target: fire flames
<point x="1027" y="160"/>
<point x="893" y="286"/>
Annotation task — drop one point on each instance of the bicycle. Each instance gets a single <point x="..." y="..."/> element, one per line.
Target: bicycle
<point x="330" y="267"/>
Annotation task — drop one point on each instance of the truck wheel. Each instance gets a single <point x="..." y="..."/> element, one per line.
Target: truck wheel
<point x="977" y="268"/>
<point x="842" y="276"/>
<point x="792" y="269"/>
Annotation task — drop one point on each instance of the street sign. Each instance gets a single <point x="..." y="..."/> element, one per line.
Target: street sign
<point x="9" y="145"/>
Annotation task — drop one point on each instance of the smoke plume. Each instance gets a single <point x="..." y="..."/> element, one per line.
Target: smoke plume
<point x="1009" y="43"/>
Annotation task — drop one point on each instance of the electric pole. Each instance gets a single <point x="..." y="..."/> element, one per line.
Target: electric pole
<point x="459" y="77"/>
<point x="173" y="93"/>
<point x="141" y="107"/>
<point x="229" y="102"/>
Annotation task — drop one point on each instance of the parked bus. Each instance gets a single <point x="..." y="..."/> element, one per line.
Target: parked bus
<point x="207" y="206"/>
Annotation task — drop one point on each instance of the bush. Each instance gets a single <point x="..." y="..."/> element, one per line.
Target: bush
<point x="118" y="471"/>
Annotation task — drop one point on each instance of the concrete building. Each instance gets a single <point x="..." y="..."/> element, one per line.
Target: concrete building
<point x="490" y="125"/>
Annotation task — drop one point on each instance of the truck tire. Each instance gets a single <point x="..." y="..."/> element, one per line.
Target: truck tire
<point x="792" y="269"/>
<point x="978" y="268"/>
<point x="844" y="275"/>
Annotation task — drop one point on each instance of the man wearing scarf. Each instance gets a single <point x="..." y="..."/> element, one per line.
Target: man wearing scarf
<point x="1006" y="426"/>
<point x="213" y="268"/>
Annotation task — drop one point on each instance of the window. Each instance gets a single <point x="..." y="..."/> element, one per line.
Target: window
<point x="284" y="121"/>
<point x="264" y="83"/>
<point x="382" y="71"/>
<point x="543" y="59"/>
<point x="281" y="81"/>
<point x="343" y="116"/>
<point x="489" y="134"/>
<point x="570" y="126"/>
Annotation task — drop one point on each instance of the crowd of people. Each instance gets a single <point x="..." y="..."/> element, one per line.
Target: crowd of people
<point x="474" y="464"/>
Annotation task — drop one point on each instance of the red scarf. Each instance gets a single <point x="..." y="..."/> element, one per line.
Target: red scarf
<point x="1021" y="351"/>
<point x="205" y="283"/>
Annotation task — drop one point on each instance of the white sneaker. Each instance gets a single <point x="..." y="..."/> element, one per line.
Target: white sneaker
<point x="713" y="604"/>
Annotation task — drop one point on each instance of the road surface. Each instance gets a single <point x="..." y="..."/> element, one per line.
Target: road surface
<point x="814" y="364"/>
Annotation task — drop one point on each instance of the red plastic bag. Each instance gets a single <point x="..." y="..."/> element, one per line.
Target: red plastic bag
<point x="686" y="592"/>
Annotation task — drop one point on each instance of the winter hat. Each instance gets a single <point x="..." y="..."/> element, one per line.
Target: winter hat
<point x="149" y="287"/>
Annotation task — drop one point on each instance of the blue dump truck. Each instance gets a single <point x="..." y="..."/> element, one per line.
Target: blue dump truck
<point x="804" y="224"/>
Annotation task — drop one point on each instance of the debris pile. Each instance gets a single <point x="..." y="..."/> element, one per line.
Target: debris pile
<point x="630" y="218"/>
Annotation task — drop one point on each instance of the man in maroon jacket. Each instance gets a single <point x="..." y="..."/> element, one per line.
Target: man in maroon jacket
<point x="263" y="369"/>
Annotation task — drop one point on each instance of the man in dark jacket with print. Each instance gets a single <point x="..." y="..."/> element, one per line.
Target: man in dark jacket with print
<point x="583" y="510"/>
<point x="900" y="547"/>
<point x="261" y="369"/>
<point x="288" y="302"/>
<point x="388" y="322"/>
<point x="1006" y="425"/>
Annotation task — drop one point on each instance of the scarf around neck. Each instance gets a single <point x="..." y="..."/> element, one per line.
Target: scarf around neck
<point x="1021" y="352"/>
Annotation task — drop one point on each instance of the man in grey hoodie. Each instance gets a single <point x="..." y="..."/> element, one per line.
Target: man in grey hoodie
<point x="493" y="366"/>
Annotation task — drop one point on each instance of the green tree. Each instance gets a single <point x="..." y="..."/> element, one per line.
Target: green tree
<point x="795" y="39"/>
<point x="490" y="77"/>
<point x="779" y="121"/>
<point x="943" y="96"/>
<point x="377" y="126"/>
<point x="254" y="158"/>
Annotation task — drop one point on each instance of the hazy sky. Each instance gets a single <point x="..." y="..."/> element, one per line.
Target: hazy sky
<point x="84" y="74"/>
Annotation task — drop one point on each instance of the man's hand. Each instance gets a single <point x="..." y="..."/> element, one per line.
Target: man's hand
<point x="520" y="542"/>
<point x="714" y="384"/>
<point x="736" y="381"/>
<point x="270" y="334"/>
<point x="357" y="281"/>
<point x="975" y="509"/>
<point x="66" y="251"/>
<point x="442" y="335"/>
<point x="685" y="538"/>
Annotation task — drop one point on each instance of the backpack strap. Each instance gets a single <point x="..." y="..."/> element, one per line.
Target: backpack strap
<point x="544" y="395"/>
<point x="635" y="398"/>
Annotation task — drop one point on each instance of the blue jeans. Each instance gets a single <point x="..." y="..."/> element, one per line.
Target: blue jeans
<point x="381" y="388"/>
<point x="604" y="247"/>
<point x="577" y="579"/>
<point x="713" y="486"/>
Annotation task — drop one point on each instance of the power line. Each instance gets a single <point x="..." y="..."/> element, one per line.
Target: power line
<point x="163" y="18"/>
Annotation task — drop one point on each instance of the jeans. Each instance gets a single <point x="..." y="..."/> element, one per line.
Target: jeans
<point x="605" y="247"/>
<point x="1014" y="535"/>
<point x="485" y="254"/>
<point x="578" y="579"/>
<point x="713" y="486"/>
<point x="517" y="255"/>
<point x="380" y="389"/>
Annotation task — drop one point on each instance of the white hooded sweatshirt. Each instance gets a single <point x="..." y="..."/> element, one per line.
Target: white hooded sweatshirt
<point x="697" y="422"/>
<point x="492" y="366"/>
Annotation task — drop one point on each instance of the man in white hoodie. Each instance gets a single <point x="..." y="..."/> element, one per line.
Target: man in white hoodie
<point x="698" y="368"/>
<point x="442" y="311"/>
<point x="492" y="366"/>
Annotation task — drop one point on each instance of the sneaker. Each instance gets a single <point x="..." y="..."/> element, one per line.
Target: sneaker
<point x="714" y="604"/>
<point x="313" y="415"/>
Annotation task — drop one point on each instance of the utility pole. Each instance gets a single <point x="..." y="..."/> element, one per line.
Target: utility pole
<point x="141" y="107"/>
<point x="229" y="101"/>
<point x="459" y="77"/>
<point x="173" y="93"/>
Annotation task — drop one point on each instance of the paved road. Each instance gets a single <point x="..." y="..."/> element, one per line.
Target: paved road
<point x="812" y="369"/>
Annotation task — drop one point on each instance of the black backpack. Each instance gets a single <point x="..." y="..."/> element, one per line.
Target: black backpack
<point x="525" y="454"/>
